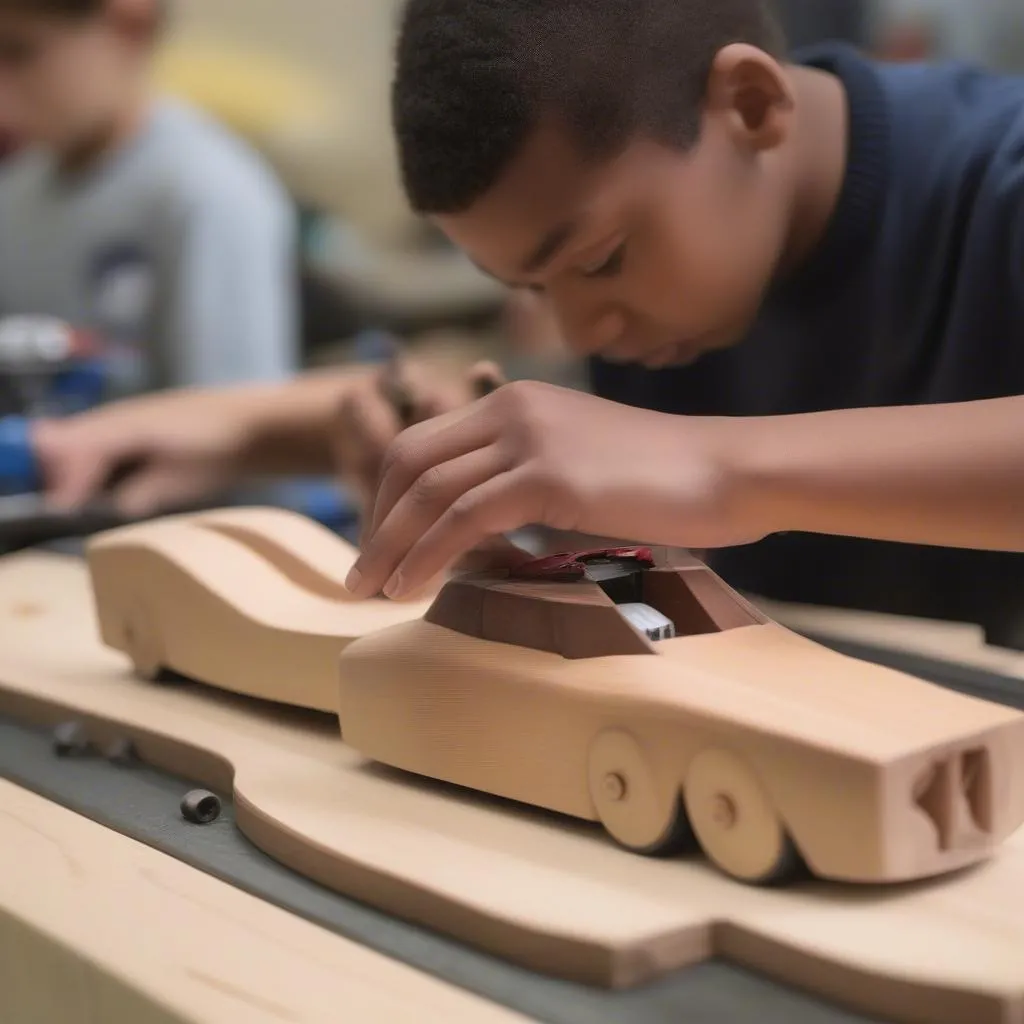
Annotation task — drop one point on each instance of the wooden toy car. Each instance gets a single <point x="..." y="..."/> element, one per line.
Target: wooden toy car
<point x="649" y="696"/>
<point x="250" y="600"/>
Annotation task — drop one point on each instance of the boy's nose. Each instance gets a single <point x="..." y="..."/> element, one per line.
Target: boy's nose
<point x="600" y="333"/>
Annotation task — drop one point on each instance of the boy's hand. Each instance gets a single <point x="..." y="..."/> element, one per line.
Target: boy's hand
<point x="535" y="454"/>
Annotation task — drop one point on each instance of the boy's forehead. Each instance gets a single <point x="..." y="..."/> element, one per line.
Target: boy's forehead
<point x="547" y="193"/>
<point x="550" y="197"/>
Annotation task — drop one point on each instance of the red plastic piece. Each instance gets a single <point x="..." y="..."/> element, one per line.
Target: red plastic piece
<point x="573" y="565"/>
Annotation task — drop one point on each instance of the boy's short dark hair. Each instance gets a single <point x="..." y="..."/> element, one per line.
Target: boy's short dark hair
<point x="475" y="77"/>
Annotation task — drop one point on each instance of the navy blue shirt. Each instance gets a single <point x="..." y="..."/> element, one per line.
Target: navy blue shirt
<point x="915" y="295"/>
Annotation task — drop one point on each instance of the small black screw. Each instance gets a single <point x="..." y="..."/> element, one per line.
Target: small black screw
<point x="200" y="806"/>
<point x="121" y="752"/>
<point x="71" y="740"/>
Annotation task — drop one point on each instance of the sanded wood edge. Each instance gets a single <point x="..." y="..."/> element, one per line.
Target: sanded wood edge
<point x="578" y="958"/>
<point x="892" y="998"/>
<point x="97" y="926"/>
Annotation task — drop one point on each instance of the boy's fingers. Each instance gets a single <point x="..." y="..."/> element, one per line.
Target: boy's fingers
<point x="494" y="553"/>
<point x="495" y="507"/>
<point x="421" y="449"/>
<point x="415" y="512"/>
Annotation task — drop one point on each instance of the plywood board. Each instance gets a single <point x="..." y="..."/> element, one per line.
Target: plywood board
<point x="533" y="888"/>
<point x="97" y="926"/>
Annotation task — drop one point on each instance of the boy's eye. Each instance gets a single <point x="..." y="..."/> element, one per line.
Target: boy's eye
<point x="608" y="267"/>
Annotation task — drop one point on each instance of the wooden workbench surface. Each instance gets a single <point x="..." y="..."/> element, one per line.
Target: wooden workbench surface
<point x="951" y="951"/>
<point x="100" y="928"/>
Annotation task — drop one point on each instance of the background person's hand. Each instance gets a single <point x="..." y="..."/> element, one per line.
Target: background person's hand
<point x="405" y="392"/>
<point x="140" y="455"/>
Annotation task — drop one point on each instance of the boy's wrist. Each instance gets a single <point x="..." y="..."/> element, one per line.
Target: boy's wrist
<point x="759" y="466"/>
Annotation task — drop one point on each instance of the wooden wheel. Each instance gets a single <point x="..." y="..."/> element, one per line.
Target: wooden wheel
<point x="142" y="643"/>
<point x="735" y="821"/>
<point x="635" y="811"/>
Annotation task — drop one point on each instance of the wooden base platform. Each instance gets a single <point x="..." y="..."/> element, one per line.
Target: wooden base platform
<point x="533" y="888"/>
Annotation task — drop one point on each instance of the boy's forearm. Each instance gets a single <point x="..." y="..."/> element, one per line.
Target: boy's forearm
<point x="947" y="475"/>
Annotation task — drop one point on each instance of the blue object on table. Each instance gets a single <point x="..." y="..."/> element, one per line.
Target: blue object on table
<point x="82" y="386"/>
<point x="19" y="469"/>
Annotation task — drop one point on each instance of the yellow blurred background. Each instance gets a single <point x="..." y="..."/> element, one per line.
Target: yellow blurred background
<point x="306" y="80"/>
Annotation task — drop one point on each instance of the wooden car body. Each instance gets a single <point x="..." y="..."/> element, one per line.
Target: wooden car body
<point x="541" y="692"/>
<point x="248" y="600"/>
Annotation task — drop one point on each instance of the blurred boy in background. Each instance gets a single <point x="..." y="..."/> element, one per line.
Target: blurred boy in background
<point x="132" y="216"/>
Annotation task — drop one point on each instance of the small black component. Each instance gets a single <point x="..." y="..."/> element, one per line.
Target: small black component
<point x="122" y="752"/>
<point x="71" y="740"/>
<point x="200" y="806"/>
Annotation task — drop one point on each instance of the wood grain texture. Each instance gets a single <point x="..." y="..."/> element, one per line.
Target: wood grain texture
<point x="97" y="927"/>
<point x="527" y="886"/>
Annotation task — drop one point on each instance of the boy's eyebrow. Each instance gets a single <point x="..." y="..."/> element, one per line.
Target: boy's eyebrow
<point x="550" y="245"/>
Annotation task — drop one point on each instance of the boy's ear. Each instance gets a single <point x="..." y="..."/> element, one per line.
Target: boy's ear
<point x="751" y="91"/>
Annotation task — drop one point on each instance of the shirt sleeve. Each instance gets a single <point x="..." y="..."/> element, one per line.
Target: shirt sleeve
<point x="228" y="312"/>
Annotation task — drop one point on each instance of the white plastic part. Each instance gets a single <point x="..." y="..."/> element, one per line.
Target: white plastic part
<point x="648" y="621"/>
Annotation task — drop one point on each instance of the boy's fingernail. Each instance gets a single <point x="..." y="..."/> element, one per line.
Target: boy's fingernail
<point x="393" y="587"/>
<point x="354" y="578"/>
